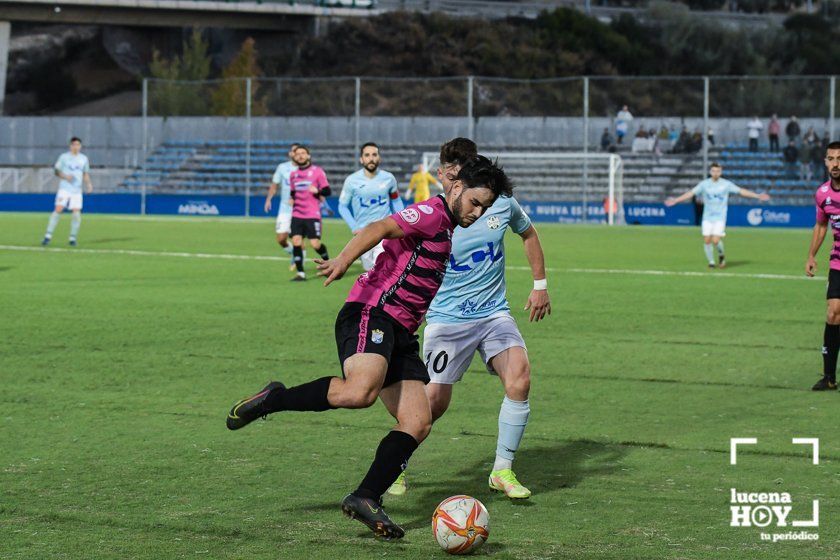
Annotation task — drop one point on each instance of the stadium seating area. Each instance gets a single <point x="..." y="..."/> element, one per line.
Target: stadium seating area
<point x="205" y="167"/>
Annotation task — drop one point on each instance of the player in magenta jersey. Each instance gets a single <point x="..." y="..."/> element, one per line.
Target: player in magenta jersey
<point x="308" y="186"/>
<point x="828" y="212"/>
<point x="375" y="331"/>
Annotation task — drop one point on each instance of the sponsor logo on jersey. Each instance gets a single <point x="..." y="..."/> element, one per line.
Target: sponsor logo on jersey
<point x="425" y="208"/>
<point x="410" y="215"/>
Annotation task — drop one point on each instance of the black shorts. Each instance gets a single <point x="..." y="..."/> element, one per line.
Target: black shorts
<point x="364" y="329"/>
<point x="309" y="228"/>
<point x="833" y="284"/>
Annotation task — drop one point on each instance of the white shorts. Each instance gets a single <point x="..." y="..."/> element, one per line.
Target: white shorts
<point x="713" y="228"/>
<point x="448" y="348"/>
<point x="369" y="258"/>
<point x="66" y="199"/>
<point x="284" y="222"/>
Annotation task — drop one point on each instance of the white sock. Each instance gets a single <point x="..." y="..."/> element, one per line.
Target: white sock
<point x="513" y="417"/>
<point x="710" y="255"/>
<point x="54" y="217"/>
<point x="288" y="249"/>
<point x="75" y="224"/>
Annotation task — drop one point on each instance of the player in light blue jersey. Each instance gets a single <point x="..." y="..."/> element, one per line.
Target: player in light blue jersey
<point x="73" y="168"/>
<point x="470" y="314"/>
<point x="370" y="194"/>
<point x="715" y="193"/>
<point x="280" y="179"/>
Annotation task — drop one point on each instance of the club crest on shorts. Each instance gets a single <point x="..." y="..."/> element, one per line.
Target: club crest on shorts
<point x="410" y="215"/>
<point x="376" y="336"/>
<point x="493" y="222"/>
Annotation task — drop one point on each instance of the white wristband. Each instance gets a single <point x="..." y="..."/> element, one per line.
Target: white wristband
<point x="541" y="284"/>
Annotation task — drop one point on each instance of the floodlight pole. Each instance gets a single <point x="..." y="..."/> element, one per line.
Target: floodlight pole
<point x="470" y="117"/>
<point x="832" y="109"/>
<point x="145" y="145"/>
<point x="358" y="114"/>
<point x="585" y="147"/>
<point x="705" y="125"/>
<point x="247" y="147"/>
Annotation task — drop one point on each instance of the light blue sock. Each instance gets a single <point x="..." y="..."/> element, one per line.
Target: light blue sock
<point x="75" y="224"/>
<point x="720" y="247"/>
<point x="710" y="253"/>
<point x="513" y="417"/>
<point x="54" y="217"/>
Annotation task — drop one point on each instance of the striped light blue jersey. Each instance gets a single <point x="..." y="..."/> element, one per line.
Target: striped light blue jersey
<point x="715" y="198"/>
<point x="281" y="177"/>
<point x="75" y="166"/>
<point x="474" y="285"/>
<point x="369" y="199"/>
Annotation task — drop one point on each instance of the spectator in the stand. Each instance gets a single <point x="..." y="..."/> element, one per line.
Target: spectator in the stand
<point x="754" y="132"/>
<point x="622" y="123"/>
<point x="811" y="136"/>
<point x="818" y="168"/>
<point x="642" y="133"/>
<point x="773" y="130"/>
<point x="792" y="129"/>
<point x="826" y="140"/>
<point x="710" y="136"/>
<point x="606" y="140"/>
<point x="681" y="145"/>
<point x="791" y="156"/>
<point x="805" y="162"/>
<point x="696" y="142"/>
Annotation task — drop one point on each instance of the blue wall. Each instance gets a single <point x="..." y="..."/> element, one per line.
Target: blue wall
<point x="557" y="212"/>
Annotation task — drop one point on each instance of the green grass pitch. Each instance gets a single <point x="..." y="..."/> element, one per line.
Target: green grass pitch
<point x="120" y="360"/>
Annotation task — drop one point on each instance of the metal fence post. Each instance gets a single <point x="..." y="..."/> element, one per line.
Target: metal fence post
<point x="145" y="145"/>
<point x="705" y="125"/>
<point x="832" y="109"/>
<point x="358" y="113"/>
<point x="584" y="212"/>
<point x="471" y="119"/>
<point x="247" y="147"/>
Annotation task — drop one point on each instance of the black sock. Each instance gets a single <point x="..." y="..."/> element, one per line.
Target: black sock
<point x="831" y="345"/>
<point x="310" y="396"/>
<point x="322" y="250"/>
<point x="391" y="458"/>
<point x="297" y="256"/>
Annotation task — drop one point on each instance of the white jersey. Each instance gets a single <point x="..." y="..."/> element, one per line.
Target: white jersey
<point x="75" y="166"/>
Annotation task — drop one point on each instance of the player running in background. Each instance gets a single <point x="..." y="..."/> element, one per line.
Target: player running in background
<point x="471" y="313"/>
<point x="419" y="184"/>
<point x="715" y="192"/>
<point x="368" y="195"/>
<point x="308" y="185"/>
<point x="375" y="332"/>
<point x="828" y="215"/>
<point x="283" y="225"/>
<point x="72" y="168"/>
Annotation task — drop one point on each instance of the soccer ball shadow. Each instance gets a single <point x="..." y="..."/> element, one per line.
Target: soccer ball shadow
<point x="541" y="468"/>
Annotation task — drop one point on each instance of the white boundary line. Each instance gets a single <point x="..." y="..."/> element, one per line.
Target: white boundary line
<point x="234" y="257"/>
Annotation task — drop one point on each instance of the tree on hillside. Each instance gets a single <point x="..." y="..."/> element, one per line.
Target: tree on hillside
<point x="229" y="98"/>
<point x="169" y="94"/>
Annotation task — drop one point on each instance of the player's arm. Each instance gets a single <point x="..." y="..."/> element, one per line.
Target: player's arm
<point x="746" y="193"/>
<point x="368" y="238"/>
<point x="817" y="237"/>
<point x="396" y="202"/>
<point x="344" y="206"/>
<point x="88" y="183"/>
<point x="682" y="198"/>
<point x="272" y="190"/>
<point x="58" y="173"/>
<point x="538" y="302"/>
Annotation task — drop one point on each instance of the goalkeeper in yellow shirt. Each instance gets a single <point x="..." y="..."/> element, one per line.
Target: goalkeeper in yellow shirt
<point x="419" y="185"/>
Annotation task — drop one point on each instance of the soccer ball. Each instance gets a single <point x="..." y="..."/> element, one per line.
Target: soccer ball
<point x="460" y="524"/>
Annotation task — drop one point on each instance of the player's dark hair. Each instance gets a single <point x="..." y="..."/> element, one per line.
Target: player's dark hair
<point x="479" y="171"/>
<point x="75" y="139"/>
<point x="303" y="147"/>
<point x="457" y="151"/>
<point x="716" y="164"/>
<point x="833" y="145"/>
<point x="293" y="146"/>
<point x="367" y="145"/>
